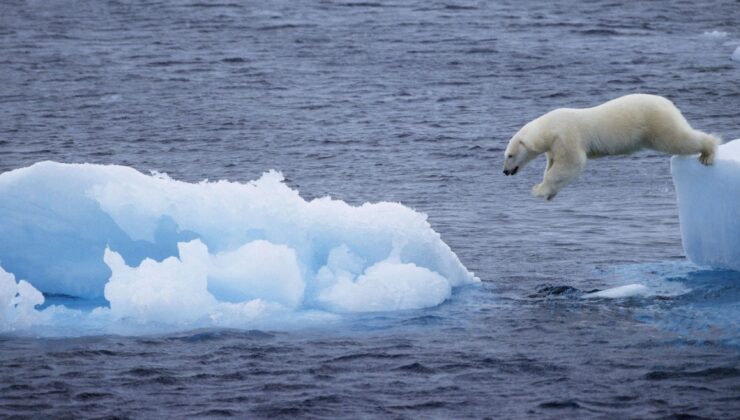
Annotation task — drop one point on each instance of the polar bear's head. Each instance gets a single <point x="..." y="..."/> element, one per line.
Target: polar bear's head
<point x="518" y="153"/>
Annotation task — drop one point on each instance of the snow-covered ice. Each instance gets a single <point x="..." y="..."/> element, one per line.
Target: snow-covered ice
<point x="225" y="253"/>
<point x="709" y="207"/>
<point x="620" y="292"/>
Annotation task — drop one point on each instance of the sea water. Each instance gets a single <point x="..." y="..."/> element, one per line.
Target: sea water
<point x="364" y="102"/>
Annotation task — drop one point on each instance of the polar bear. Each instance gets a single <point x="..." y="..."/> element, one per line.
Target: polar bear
<point x="621" y="126"/>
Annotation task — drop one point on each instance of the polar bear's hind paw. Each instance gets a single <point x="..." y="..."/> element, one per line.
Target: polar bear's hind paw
<point x="706" y="158"/>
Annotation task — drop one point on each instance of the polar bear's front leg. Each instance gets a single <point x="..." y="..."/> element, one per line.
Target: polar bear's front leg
<point x="542" y="190"/>
<point x="561" y="171"/>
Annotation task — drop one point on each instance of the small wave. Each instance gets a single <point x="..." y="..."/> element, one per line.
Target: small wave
<point x="459" y="7"/>
<point x="558" y="95"/>
<point x="359" y="356"/>
<point x="549" y="290"/>
<point x="283" y="26"/>
<point x="423" y="320"/>
<point x="217" y="412"/>
<point x="604" y="32"/>
<point x="560" y="404"/>
<point x="415" y="367"/>
<point x="716" y="373"/>
<point x="92" y="396"/>
<point x="481" y="50"/>
<point x="146" y="372"/>
<point x="598" y="32"/>
<point x="362" y="4"/>
<point x="234" y="60"/>
<point x="223" y="334"/>
<point x="169" y="63"/>
<point x="213" y="5"/>
<point x="82" y="354"/>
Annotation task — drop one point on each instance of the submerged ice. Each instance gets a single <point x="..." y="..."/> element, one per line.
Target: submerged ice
<point x="164" y="251"/>
<point x="709" y="207"/>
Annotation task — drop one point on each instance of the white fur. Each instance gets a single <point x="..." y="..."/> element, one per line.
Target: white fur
<point x="621" y="126"/>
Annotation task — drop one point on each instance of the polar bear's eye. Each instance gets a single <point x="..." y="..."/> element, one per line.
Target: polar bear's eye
<point x="511" y="156"/>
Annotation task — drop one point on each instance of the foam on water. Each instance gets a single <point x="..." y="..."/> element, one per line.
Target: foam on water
<point x="628" y="290"/>
<point x="166" y="252"/>
<point x="715" y="34"/>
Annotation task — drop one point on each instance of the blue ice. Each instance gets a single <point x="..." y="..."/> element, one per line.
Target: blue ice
<point x="226" y="253"/>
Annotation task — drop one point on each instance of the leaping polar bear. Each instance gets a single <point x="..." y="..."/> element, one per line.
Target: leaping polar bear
<point x="621" y="126"/>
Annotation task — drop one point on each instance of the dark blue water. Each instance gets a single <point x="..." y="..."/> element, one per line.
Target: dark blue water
<point x="400" y="101"/>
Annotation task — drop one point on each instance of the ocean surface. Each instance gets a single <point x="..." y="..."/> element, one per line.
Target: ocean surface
<point x="408" y="101"/>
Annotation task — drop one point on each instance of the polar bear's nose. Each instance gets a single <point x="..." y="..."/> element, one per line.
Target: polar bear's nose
<point x="511" y="172"/>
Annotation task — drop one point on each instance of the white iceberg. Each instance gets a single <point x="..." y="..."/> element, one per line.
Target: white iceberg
<point x="165" y="251"/>
<point x="709" y="207"/>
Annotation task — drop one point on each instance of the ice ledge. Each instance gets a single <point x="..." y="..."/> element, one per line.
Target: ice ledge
<point x="709" y="207"/>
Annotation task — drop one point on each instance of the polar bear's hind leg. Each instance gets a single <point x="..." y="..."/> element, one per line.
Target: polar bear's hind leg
<point x="689" y="142"/>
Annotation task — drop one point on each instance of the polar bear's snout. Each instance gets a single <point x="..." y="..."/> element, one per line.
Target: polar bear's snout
<point x="508" y="172"/>
<point x="511" y="163"/>
<point x="516" y="156"/>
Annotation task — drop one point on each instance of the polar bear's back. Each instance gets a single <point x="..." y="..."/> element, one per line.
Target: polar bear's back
<point x="639" y="104"/>
<point x="629" y="123"/>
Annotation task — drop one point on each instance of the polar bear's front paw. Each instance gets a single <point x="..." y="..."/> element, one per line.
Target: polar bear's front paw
<point x="542" y="190"/>
<point x="706" y="159"/>
<point x="537" y="190"/>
